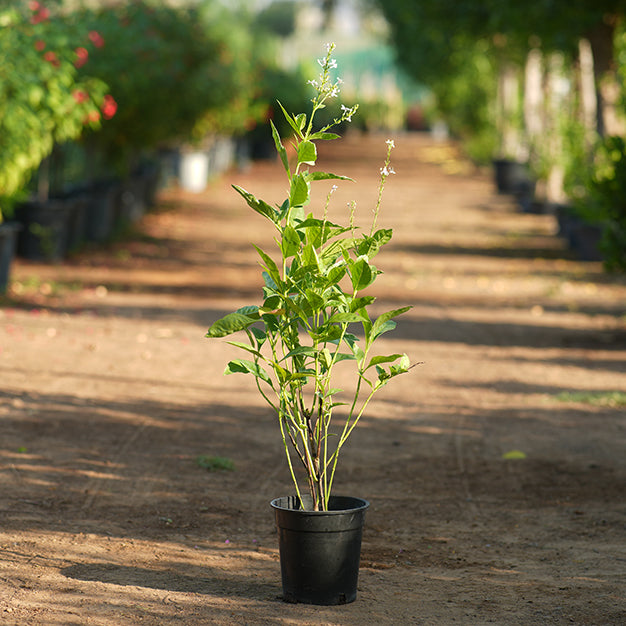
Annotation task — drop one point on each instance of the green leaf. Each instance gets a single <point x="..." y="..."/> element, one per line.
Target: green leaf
<point x="380" y="325"/>
<point x="327" y="333"/>
<point x="359" y="303"/>
<point x="290" y="243"/>
<point x="280" y="148"/>
<point x="377" y="360"/>
<point x="291" y="120"/>
<point x="282" y="374"/>
<point x="270" y="265"/>
<point x="300" y="120"/>
<point x="344" y="318"/>
<point x="283" y="210"/>
<point x="296" y="309"/>
<point x="315" y="300"/>
<point x="513" y="455"/>
<point x="301" y="351"/>
<point x="325" y="136"/>
<point x="402" y="367"/>
<point x="307" y="153"/>
<point x="299" y="191"/>
<point x="342" y="356"/>
<point x="244" y="346"/>
<point x="370" y="246"/>
<point x="272" y="303"/>
<point x="312" y="176"/>
<point x="309" y="257"/>
<point x="361" y="274"/>
<point x="241" y="366"/>
<point x="271" y="321"/>
<point x="353" y="344"/>
<point x="336" y="274"/>
<point x="320" y="231"/>
<point x="259" y="334"/>
<point x="383" y="375"/>
<point x="382" y="329"/>
<point x="269" y="282"/>
<point x="259" y="206"/>
<point x="229" y="324"/>
<point x="335" y="249"/>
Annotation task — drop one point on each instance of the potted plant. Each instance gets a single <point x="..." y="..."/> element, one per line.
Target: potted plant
<point x="297" y="337"/>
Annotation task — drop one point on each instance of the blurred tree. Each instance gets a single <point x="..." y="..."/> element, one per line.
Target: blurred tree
<point x="278" y="18"/>
<point x="425" y="32"/>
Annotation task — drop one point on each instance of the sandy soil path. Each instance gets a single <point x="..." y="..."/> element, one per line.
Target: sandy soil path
<point x="110" y="393"/>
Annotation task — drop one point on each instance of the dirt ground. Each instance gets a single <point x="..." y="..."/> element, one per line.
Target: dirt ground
<point x="110" y="392"/>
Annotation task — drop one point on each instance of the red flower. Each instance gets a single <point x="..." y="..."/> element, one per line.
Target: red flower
<point x="82" y="55"/>
<point x="96" y="38"/>
<point x="109" y="107"/>
<point x="33" y="5"/>
<point x="41" y="16"/>
<point x="80" y="96"/>
<point x="92" y="117"/>
<point x="40" y="45"/>
<point x="51" y="57"/>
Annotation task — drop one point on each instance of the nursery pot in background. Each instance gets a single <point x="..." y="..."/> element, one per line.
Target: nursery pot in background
<point x="510" y="176"/>
<point x="320" y="551"/>
<point x="8" y="244"/>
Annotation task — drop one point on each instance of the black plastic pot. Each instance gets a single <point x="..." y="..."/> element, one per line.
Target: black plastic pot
<point x="320" y="551"/>
<point x="8" y="241"/>
<point x="101" y="210"/>
<point x="510" y="176"/>
<point x="46" y="229"/>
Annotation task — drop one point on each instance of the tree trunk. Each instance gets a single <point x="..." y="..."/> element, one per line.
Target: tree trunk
<point x="533" y="96"/>
<point x="587" y="88"/>
<point x="555" y="105"/>
<point x="601" y="39"/>
<point x="511" y="145"/>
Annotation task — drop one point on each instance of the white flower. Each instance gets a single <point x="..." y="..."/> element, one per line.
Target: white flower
<point x="322" y="62"/>
<point x="347" y="113"/>
<point x="390" y="143"/>
<point x="334" y="92"/>
<point x="385" y="171"/>
<point x="314" y="83"/>
<point x="332" y="64"/>
<point x="333" y="188"/>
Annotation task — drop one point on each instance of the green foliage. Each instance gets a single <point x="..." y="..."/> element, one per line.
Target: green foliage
<point x="43" y="100"/>
<point x="456" y="47"/>
<point x="613" y="399"/>
<point x="312" y="300"/>
<point x="602" y="199"/>
<point x="177" y="72"/>
<point x="276" y="84"/>
<point x="279" y="18"/>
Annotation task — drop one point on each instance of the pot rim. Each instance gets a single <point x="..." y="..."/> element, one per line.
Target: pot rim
<point x="358" y="504"/>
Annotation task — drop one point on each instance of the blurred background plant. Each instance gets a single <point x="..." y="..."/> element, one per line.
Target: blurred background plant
<point x="93" y="90"/>
<point x="179" y="74"/>
<point x="44" y="99"/>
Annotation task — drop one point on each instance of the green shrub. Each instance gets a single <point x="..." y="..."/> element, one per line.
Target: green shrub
<point x="43" y="99"/>
<point x="605" y="201"/>
<point x="177" y="74"/>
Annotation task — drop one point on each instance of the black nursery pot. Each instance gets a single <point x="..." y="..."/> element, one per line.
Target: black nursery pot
<point x="320" y="551"/>
<point x="510" y="176"/>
